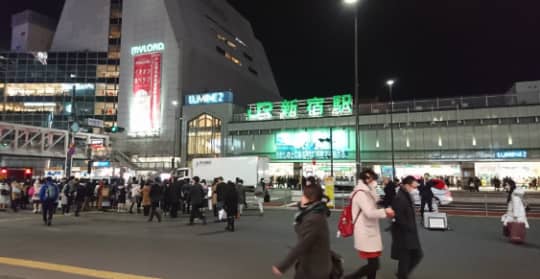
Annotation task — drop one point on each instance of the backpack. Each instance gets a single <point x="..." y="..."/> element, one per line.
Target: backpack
<point x="346" y="222"/>
<point x="51" y="192"/>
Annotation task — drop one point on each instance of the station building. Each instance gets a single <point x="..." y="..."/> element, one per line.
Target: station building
<point x="486" y="136"/>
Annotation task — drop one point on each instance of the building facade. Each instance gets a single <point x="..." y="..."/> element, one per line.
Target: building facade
<point x="455" y="137"/>
<point x="171" y="48"/>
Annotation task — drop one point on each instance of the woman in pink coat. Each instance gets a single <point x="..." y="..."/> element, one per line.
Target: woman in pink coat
<point x="367" y="234"/>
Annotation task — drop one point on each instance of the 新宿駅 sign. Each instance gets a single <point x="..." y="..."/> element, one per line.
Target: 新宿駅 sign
<point x="148" y="48"/>
<point x="339" y="105"/>
<point x="209" y="98"/>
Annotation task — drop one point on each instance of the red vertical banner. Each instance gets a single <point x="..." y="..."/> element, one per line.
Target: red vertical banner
<point x="146" y="108"/>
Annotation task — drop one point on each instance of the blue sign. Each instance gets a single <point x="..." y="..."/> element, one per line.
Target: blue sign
<point x="511" y="154"/>
<point x="103" y="164"/>
<point x="209" y="98"/>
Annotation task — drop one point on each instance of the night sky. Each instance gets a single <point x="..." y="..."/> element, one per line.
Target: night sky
<point x="434" y="48"/>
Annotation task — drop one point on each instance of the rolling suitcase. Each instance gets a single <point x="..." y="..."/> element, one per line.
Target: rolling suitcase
<point x="435" y="221"/>
<point x="517" y="232"/>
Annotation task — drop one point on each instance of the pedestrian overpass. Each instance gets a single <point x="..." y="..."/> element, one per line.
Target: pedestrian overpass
<point x="30" y="141"/>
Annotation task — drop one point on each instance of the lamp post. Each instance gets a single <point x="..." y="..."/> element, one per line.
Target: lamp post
<point x="354" y="3"/>
<point x="390" y="83"/>
<point x="331" y="141"/>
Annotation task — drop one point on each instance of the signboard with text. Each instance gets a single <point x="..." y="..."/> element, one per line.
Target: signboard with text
<point x="339" y="105"/>
<point x="210" y="98"/>
<point x="145" y="108"/>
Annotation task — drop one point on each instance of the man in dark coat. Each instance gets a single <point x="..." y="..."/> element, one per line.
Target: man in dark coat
<point x="405" y="241"/>
<point x="156" y="195"/>
<point x="426" y="195"/>
<point x="196" y="194"/>
<point x="80" y="196"/>
<point x="230" y="204"/>
<point x="173" y="197"/>
<point x="389" y="192"/>
<point x="311" y="256"/>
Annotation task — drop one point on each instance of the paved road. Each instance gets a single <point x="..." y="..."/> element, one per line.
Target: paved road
<point x="129" y="244"/>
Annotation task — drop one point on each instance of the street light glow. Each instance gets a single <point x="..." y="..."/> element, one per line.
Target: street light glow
<point x="175" y="103"/>
<point x="350" y="2"/>
<point x="390" y="82"/>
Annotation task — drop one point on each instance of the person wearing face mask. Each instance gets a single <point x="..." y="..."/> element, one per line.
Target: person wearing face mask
<point x="367" y="235"/>
<point x="406" y="248"/>
<point x="311" y="256"/>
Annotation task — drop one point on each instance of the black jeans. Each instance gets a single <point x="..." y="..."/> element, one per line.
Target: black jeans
<point x="154" y="211"/>
<point x="78" y="207"/>
<point x="174" y="209"/>
<point x="146" y="210"/>
<point x="15" y="204"/>
<point x="196" y="213"/>
<point x="408" y="260"/>
<point x="48" y="210"/>
<point x="369" y="271"/>
<point x="429" y="202"/>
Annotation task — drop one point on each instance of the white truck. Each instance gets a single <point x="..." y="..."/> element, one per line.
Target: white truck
<point x="251" y="169"/>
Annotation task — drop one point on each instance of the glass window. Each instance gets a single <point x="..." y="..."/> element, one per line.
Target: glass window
<point x="105" y="109"/>
<point x="204" y="136"/>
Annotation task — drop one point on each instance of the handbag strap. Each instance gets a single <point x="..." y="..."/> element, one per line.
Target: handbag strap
<point x="359" y="209"/>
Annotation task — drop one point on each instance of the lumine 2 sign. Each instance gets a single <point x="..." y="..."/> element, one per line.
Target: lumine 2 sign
<point x="152" y="47"/>
<point x="290" y="109"/>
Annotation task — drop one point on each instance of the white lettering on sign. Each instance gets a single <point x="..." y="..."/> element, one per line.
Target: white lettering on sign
<point x="209" y="98"/>
<point x="153" y="47"/>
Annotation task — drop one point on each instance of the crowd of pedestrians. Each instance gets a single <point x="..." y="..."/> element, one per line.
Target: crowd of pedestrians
<point x="311" y="257"/>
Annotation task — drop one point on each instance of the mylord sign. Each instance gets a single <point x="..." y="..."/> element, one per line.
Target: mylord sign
<point x="209" y="98"/>
<point x="148" y="48"/>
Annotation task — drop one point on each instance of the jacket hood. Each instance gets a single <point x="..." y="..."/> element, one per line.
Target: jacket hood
<point x="361" y="186"/>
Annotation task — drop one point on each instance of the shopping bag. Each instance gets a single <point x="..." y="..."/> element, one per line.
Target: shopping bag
<point x="222" y="214"/>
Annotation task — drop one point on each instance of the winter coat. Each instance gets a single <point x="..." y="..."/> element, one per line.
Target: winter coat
<point x="156" y="193"/>
<point x="241" y="193"/>
<point x="516" y="209"/>
<point x="80" y="193"/>
<point x="389" y="194"/>
<point x="367" y="234"/>
<point x="219" y="191"/>
<point x="214" y="194"/>
<point x="404" y="229"/>
<point x="146" y="201"/>
<point x="230" y="199"/>
<point x="174" y="192"/>
<point x="311" y="255"/>
<point x="43" y="192"/>
<point x="196" y="194"/>
<point x="122" y="192"/>
<point x="36" y="189"/>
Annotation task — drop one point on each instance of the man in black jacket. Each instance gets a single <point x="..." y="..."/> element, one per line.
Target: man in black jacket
<point x="80" y="196"/>
<point x="173" y="197"/>
<point x="196" y="194"/>
<point x="426" y="195"/>
<point x="405" y="241"/>
<point x="389" y="192"/>
<point x="156" y="195"/>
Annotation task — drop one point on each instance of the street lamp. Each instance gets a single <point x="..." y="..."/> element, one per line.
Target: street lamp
<point x="390" y="83"/>
<point x="331" y="141"/>
<point x="356" y="94"/>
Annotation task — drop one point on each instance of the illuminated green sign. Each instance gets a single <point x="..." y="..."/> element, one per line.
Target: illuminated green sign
<point x="263" y="111"/>
<point x="315" y="107"/>
<point x="342" y="105"/>
<point x="290" y="109"/>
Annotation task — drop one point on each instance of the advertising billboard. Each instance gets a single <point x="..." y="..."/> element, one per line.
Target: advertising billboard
<point x="145" y="108"/>
<point x="310" y="144"/>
